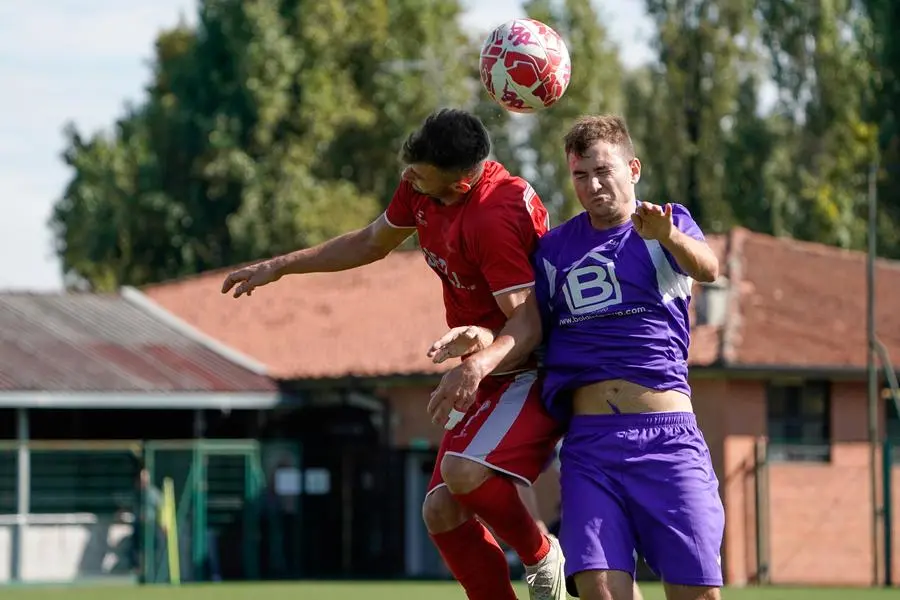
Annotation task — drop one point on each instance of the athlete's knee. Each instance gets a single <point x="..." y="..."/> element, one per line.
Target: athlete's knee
<point x="441" y="512"/>
<point x="691" y="592"/>
<point x="463" y="475"/>
<point x="605" y="585"/>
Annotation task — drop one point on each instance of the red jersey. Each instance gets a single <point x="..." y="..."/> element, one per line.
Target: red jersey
<point x="481" y="246"/>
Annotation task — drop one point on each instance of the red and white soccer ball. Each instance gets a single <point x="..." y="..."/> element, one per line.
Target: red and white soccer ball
<point x="525" y="66"/>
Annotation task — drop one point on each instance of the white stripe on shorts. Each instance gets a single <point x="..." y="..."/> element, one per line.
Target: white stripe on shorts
<point x="501" y="419"/>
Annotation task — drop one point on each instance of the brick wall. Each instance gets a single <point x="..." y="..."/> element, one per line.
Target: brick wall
<point x="819" y="513"/>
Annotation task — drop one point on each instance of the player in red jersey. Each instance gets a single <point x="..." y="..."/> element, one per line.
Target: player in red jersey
<point x="477" y="226"/>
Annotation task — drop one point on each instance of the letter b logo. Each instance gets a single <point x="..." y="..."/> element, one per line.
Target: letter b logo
<point x="592" y="287"/>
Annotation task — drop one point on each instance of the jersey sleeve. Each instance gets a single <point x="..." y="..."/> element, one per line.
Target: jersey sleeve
<point x="504" y="238"/>
<point x="684" y="222"/>
<point x="399" y="212"/>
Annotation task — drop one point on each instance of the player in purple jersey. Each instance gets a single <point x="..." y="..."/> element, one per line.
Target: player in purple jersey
<point x="611" y="305"/>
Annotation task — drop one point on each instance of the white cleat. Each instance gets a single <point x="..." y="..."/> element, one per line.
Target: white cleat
<point x="547" y="579"/>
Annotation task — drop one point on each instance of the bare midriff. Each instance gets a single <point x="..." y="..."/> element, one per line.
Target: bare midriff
<point x="617" y="396"/>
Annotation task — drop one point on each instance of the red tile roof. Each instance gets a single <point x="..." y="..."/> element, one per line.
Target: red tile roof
<point x="798" y="304"/>
<point x="804" y="304"/>
<point x="104" y="343"/>
<point x="375" y="320"/>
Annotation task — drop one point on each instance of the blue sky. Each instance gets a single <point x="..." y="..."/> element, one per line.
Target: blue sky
<point x="82" y="60"/>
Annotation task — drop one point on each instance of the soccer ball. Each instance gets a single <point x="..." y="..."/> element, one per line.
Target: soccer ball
<point x="525" y="66"/>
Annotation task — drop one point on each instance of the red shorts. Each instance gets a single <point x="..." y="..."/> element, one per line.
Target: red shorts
<point x="506" y="429"/>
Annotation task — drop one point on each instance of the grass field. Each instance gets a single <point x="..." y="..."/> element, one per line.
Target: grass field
<point x="383" y="591"/>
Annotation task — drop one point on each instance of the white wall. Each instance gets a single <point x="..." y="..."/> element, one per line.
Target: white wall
<point x="61" y="548"/>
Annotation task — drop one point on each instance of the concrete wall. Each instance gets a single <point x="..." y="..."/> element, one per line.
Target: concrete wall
<point x="63" y="548"/>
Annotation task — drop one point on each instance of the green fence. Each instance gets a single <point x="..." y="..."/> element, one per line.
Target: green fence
<point x="217" y="489"/>
<point x="155" y="511"/>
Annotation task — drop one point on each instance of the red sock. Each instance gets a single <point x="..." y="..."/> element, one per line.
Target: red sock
<point x="497" y="503"/>
<point x="476" y="560"/>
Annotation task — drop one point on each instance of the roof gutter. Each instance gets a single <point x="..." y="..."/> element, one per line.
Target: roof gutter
<point x="761" y="371"/>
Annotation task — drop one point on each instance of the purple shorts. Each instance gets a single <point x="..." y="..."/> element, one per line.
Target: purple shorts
<point x="640" y="485"/>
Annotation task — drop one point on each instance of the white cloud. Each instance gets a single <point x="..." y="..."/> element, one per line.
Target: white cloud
<point x="81" y="60"/>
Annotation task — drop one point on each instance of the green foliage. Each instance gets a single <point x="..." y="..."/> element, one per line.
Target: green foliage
<point x="274" y="124"/>
<point x="822" y="70"/>
<point x="703" y="56"/>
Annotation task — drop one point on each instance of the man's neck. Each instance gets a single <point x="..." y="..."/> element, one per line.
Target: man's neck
<point x="609" y="223"/>
<point x="613" y="220"/>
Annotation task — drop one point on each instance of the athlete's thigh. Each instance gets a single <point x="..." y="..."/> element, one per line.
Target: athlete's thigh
<point x="507" y="428"/>
<point x="596" y="532"/>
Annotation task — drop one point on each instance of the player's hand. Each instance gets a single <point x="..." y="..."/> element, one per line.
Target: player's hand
<point x="460" y="341"/>
<point x="457" y="390"/>
<point x="249" y="278"/>
<point x="653" y="222"/>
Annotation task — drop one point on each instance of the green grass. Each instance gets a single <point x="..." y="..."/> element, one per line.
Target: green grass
<point x="382" y="591"/>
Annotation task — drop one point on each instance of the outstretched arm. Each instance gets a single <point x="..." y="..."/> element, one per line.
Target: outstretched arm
<point x="347" y="251"/>
<point x="353" y="249"/>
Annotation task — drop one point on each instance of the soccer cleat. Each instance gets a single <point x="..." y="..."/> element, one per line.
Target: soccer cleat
<point x="547" y="579"/>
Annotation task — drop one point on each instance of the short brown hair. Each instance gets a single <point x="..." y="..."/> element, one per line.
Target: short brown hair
<point x="587" y="131"/>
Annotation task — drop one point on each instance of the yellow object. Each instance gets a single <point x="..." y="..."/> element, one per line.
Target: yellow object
<point x="169" y="521"/>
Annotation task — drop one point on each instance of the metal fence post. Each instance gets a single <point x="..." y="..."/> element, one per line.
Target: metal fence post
<point x="887" y="456"/>
<point x="761" y="492"/>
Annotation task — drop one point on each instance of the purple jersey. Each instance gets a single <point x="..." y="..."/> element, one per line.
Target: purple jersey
<point x="614" y="306"/>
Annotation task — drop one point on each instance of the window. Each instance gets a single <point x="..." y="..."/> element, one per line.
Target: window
<point x="799" y="421"/>
<point x="710" y="303"/>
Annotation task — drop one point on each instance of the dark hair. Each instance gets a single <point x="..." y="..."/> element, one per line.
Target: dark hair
<point x="587" y="131"/>
<point x="449" y="139"/>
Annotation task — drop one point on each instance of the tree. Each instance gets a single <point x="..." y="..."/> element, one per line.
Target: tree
<point x="272" y="126"/>
<point x="819" y="56"/>
<point x="884" y="46"/>
<point x="705" y="51"/>
<point x="751" y="180"/>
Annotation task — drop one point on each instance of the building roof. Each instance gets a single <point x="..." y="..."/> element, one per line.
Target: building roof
<point x="72" y="343"/>
<point x="803" y="304"/>
<point x="372" y="321"/>
<point x="796" y="304"/>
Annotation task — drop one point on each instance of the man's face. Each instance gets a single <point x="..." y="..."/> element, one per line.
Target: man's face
<point x="604" y="181"/>
<point x="431" y="181"/>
